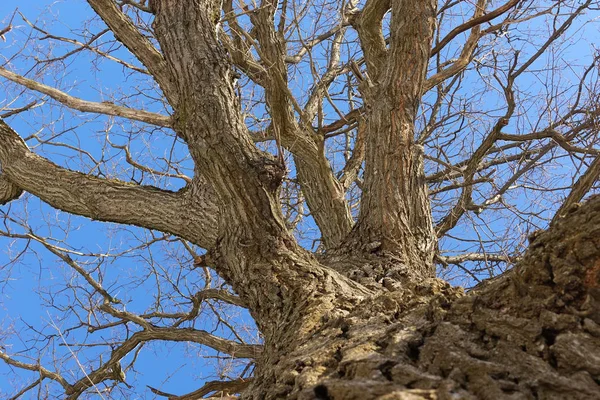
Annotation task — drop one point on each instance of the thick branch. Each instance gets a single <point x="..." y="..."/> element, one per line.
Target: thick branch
<point x="369" y="28"/>
<point x="395" y="214"/>
<point x="193" y="218"/>
<point x="580" y="188"/>
<point x="219" y="294"/>
<point x="324" y="194"/>
<point x="8" y="190"/>
<point x="127" y="33"/>
<point x="230" y="347"/>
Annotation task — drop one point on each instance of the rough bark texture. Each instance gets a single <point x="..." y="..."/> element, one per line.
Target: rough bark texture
<point x="254" y="250"/>
<point x="323" y="192"/>
<point x="190" y="213"/>
<point x="533" y="333"/>
<point x="395" y="215"/>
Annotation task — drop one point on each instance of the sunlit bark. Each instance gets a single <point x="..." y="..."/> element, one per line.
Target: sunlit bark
<point x="367" y="318"/>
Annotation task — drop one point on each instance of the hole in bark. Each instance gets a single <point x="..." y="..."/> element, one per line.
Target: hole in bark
<point x="322" y="393"/>
<point x="381" y="343"/>
<point x="414" y="350"/>
<point x="341" y="372"/>
<point x="510" y="390"/>
<point x="413" y="353"/>
<point x="345" y="328"/>
<point x="499" y="375"/>
<point x="549" y="336"/>
<point x="299" y="366"/>
<point x="386" y="369"/>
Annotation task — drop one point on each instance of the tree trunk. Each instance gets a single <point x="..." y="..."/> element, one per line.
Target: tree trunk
<point x="369" y="320"/>
<point x="395" y="215"/>
<point x="533" y="332"/>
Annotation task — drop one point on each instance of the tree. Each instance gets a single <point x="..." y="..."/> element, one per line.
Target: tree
<point x="413" y="133"/>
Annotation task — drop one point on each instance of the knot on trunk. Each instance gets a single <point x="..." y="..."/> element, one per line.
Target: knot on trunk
<point x="270" y="172"/>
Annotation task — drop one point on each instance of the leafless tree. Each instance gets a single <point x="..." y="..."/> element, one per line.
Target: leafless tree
<point x="333" y="169"/>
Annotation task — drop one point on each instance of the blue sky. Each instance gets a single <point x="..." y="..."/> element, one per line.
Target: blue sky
<point x="37" y="276"/>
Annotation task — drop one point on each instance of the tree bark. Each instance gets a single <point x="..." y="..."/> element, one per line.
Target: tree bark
<point x="395" y="215"/>
<point x="368" y="320"/>
<point x="533" y="332"/>
<point x="254" y="251"/>
<point x="191" y="213"/>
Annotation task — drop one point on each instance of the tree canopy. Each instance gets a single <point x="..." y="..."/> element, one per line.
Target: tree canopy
<point x="217" y="184"/>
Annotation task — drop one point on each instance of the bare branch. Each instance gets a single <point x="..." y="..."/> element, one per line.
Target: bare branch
<point x="27" y="388"/>
<point x="453" y="216"/>
<point x="19" y="110"/>
<point x="476" y="257"/>
<point x="106" y="371"/>
<point x="465" y="55"/>
<point x="107" y="200"/>
<point x="127" y="33"/>
<point x="36" y="368"/>
<point x="88" y="106"/>
<point x="324" y="194"/>
<point x="478" y="19"/>
<point x="229" y="387"/>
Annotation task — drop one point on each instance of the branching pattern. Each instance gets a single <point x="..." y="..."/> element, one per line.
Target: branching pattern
<point x="275" y="161"/>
